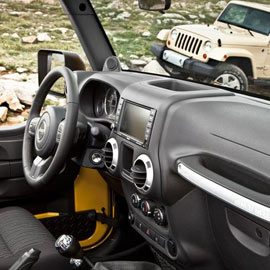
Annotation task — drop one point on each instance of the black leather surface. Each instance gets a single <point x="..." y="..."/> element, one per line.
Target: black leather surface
<point x="19" y="232"/>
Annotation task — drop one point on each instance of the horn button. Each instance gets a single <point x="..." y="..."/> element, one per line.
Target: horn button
<point x="45" y="137"/>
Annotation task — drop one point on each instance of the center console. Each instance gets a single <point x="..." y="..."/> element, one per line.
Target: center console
<point x="131" y="154"/>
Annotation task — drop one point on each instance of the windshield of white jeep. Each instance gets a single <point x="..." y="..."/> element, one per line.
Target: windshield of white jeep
<point x="246" y="17"/>
<point x="187" y="42"/>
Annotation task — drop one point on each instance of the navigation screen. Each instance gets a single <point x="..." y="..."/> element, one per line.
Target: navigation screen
<point x="134" y="121"/>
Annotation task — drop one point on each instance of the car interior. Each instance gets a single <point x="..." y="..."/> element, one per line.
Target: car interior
<point x="136" y="171"/>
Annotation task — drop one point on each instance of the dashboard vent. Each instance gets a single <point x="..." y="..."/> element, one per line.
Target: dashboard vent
<point x="110" y="154"/>
<point x="142" y="173"/>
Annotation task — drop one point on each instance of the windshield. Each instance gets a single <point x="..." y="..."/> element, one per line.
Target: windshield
<point x="248" y="18"/>
<point x="186" y="42"/>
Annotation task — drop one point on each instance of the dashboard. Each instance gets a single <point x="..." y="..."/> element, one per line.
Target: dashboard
<point x="164" y="133"/>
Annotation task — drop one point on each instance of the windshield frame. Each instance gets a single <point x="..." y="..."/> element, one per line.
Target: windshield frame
<point x="240" y="25"/>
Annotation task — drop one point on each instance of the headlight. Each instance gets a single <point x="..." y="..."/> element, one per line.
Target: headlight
<point x="208" y="46"/>
<point x="174" y="34"/>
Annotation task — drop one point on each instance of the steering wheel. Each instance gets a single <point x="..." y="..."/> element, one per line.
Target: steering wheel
<point x="48" y="138"/>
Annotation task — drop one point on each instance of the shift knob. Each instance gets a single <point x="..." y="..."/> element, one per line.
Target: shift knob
<point x="68" y="246"/>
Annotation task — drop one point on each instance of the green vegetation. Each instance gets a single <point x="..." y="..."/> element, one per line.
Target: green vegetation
<point x="123" y="21"/>
<point x="20" y="20"/>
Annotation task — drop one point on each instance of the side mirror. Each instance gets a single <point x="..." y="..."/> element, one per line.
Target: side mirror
<point x="48" y="59"/>
<point x="154" y="5"/>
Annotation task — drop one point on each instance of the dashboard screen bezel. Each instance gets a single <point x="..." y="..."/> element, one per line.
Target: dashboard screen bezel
<point x="129" y="137"/>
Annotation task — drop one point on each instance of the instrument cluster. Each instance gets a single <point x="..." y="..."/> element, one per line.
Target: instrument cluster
<point x="99" y="100"/>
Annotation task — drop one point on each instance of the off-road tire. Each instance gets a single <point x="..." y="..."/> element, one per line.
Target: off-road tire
<point x="236" y="74"/>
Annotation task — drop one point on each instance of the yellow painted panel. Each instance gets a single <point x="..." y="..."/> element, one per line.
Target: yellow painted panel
<point x="47" y="215"/>
<point x="92" y="192"/>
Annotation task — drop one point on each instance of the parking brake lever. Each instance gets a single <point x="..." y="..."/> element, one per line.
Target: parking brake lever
<point x="26" y="261"/>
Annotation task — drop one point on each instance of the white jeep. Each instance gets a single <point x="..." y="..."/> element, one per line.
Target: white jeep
<point x="233" y="51"/>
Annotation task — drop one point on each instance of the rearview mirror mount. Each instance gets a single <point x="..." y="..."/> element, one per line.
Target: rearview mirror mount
<point x="154" y="5"/>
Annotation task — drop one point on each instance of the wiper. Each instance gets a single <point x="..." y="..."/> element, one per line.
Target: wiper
<point x="229" y="25"/>
<point x="250" y="33"/>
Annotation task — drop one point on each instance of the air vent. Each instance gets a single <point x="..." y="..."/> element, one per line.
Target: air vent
<point x="110" y="154"/>
<point x="142" y="173"/>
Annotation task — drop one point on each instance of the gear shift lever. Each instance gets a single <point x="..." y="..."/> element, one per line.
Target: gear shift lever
<point x="68" y="246"/>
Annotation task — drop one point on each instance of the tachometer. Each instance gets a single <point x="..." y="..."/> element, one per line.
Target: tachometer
<point x="111" y="100"/>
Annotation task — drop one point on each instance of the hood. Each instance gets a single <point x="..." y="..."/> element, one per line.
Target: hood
<point x="228" y="36"/>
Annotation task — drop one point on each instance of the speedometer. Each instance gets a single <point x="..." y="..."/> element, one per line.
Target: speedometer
<point x="111" y="101"/>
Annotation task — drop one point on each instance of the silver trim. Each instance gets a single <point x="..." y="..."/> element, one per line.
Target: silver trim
<point x="115" y="150"/>
<point x="226" y="195"/>
<point x="174" y="58"/>
<point x="149" y="173"/>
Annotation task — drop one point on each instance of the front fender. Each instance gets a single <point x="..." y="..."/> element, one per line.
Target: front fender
<point x="221" y="54"/>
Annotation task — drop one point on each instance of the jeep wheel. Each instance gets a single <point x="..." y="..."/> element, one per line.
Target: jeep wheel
<point x="231" y="76"/>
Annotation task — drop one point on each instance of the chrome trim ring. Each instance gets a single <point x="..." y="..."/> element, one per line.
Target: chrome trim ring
<point x="115" y="150"/>
<point x="149" y="172"/>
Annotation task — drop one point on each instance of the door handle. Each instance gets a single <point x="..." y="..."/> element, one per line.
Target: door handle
<point x="221" y="192"/>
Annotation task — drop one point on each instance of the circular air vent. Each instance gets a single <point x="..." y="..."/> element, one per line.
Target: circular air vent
<point x="142" y="173"/>
<point x="110" y="154"/>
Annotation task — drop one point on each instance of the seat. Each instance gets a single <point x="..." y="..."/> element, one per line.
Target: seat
<point x="21" y="231"/>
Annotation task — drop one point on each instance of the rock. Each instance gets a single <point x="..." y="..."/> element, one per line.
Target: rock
<point x="24" y="1"/>
<point x="9" y="96"/>
<point x="123" y="15"/>
<point x="15" y="119"/>
<point x="21" y="70"/>
<point x="173" y="15"/>
<point x="13" y="77"/>
<point x="43" y="37"/>
<point x="158" y="21"/>
<point x="115" y="4"/>
<point x="29" y="39"/>
<point x="15" y="13"/>
<point x="38" y="13"/>
<point x="213" y="14"/>
<point x="137" y="62"/>
<point x="183" y="5"/>
<point x="208" y="6"/>
<point x="25" y="113"/>
<point x="25" y="97"/>
<point x="221" y="4"/>
<point x="124" y="66"/>
<point x="146" y="34"/>
<point x="133" y="56"/>
<point x="3" y="113"/>
<point x="155" y="67"/>
<point x="2" y="69"/>
<point x="202" y="16"/>
<point x="15" y="35"/>
<point x="63" y="30"/>
<point x="5" y="35"/>
<point x="192" y="16"/>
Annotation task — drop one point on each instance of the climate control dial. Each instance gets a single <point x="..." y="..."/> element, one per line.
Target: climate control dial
<point x="136" y="200"/>
<point x="160" y="217"/>
<point x="148" y="208"/>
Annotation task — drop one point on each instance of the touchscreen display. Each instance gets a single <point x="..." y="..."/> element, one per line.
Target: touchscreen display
<point x="134" y="121"/>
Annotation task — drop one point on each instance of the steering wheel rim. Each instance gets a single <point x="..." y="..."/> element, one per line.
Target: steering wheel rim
<point x="53" y="164"/>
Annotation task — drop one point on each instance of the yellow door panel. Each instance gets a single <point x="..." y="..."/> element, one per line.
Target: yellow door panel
<point x="92" y="192"/>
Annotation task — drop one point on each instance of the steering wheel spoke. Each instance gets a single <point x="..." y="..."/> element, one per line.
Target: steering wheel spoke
<point x="60" y="130"/>
<point x="33" y="126"/>
<point x="40" y="166"/>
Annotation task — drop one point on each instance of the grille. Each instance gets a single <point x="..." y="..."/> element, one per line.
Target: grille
<point x="188" y="43"/>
